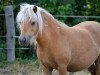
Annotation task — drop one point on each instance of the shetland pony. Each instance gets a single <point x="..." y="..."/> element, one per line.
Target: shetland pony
<point x="59" y="46"/>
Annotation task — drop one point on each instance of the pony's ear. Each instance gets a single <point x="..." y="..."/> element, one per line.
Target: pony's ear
<point x="35" y="9"/>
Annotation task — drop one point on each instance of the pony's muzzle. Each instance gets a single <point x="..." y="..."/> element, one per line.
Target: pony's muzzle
<point x="24" y="41"/>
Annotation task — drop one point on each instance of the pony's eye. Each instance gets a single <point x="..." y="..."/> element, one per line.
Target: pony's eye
<point x="33" y="23"/>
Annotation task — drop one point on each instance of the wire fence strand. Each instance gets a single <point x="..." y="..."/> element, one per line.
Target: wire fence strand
<point x="5" y="14"/>
<point x="16" y="48"/>
<point x="77" y="16"/>
<point x="65" y="16"/>
<point x="7" y="36"/>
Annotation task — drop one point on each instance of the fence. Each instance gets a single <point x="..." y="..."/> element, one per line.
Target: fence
<point x="10" y="27"/>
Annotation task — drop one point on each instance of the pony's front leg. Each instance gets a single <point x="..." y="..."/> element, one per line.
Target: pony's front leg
<point x="62" y="70"/>
<point x="98" y="66"/>
<point x="47" y="71"/>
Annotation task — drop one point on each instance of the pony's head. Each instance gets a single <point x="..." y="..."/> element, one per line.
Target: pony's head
<point x="30" y="23"/>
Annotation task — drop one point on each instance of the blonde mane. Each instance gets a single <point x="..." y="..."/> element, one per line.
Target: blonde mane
<point x="26" y="13"/>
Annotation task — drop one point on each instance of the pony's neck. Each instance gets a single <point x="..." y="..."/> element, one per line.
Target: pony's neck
<point x="51" y="29"/>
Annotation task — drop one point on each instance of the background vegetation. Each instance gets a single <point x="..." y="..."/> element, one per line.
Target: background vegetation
<point x="55" y="7"/>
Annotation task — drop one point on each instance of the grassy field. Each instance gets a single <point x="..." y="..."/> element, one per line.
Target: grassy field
<point x="27" y="67"/>
<point x="19" y="67"/>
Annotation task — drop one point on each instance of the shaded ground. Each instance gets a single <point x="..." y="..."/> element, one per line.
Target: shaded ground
<point x="27" y="67"/>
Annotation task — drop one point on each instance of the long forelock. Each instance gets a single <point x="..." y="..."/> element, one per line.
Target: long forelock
<point x="26" y="13"/>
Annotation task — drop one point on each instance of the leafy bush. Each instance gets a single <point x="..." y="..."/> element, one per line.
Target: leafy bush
<point x="2" y="51"/>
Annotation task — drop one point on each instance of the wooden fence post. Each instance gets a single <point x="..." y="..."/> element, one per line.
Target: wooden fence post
<point x="9" y="17"/>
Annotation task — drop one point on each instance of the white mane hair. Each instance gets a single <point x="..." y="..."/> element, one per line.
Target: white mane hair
<point x="26" y="13"/>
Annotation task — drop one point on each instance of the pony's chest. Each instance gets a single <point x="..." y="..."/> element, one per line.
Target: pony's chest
<point x="47" y="59"/>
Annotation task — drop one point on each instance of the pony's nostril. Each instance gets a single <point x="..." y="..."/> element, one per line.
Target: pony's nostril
<point x="22" y="40"/>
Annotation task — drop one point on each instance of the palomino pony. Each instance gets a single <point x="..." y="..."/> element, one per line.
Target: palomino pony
<point x="59" y="46"/>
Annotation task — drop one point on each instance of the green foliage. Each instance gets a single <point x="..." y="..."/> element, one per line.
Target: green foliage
<point x="55" y="7"/>
<point x="2" y="51"/>
<point x="88" y="7"/>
